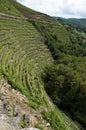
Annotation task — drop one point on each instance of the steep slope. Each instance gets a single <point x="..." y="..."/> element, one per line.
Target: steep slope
<point x="7" y="8"/>
<point x="31" y="14"/>
<point x="13" y="106"/>
<point x="19" y="61"/>
<point x="23" y="57"/>
<point x="21" y="47"/>
<point x="65" y="81"/>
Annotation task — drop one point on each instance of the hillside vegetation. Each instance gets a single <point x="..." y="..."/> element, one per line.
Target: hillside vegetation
<point x="80" y="24"/>
<point x="65" y="81"/>
<point x="8" y="8"/>
<point x="27" y="47"/>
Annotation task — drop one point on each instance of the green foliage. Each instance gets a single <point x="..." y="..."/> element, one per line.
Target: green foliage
<point x="80" y="117"/>
<point x="51" y="116"/>
<point x="23" y="124"/>
<point x="61" y="83"/>
<point x="54" y="34"/>
<point x="38" y="126"/>
<point x="66" y="89"/>
<point x="34" y="105"/>
<point x="10" y="114"/>
<point x="64" y="81"/>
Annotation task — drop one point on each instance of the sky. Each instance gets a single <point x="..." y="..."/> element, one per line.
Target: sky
<point x="60" y="8"/>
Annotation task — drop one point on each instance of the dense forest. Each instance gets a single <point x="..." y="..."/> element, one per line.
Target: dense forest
<point x="65" y="81"/>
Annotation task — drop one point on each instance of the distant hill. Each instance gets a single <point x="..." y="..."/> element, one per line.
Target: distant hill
<point x="79" y="23"/>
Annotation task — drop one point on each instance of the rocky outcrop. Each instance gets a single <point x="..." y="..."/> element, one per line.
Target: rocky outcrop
<point x="5" y="126"/>
<point x="15" y="113"/>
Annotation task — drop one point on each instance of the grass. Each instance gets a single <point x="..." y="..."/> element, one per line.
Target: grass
<point x="38" y="126"/>
<point x="22" y="49"/>
<point x="23" y="124"/>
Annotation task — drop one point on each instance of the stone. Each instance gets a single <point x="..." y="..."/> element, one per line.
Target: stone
<point x="26" y="119"/>
<point x="1" y="105"/>
<point x="30" y="129"/>
<point x="16" y="111"/>
<point x="9" y="108"/>
<point x="5" y="103"/>
<point x="5" y="126"/>
<point x="48" y="125"/>
<point x="33" y="129"/>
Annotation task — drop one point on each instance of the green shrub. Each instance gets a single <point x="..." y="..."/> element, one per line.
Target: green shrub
<point x="33" y="105"/>
<point x="23" y="124"/>
<point x="52" y="117"/>
<point x="38" y="126"/>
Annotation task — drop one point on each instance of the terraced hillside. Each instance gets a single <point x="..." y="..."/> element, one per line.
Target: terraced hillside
<point x="23" y="57"/>
<point x="21" y="51"/>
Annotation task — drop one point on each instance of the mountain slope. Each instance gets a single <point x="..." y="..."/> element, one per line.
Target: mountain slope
<point x="19" y="66"/>
<point x="24" y="55"/>
<point x="31" y="14"/>
<point x="8" y="8"/>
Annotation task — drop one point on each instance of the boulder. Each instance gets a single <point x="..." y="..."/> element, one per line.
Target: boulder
<point x="48" y="125"/>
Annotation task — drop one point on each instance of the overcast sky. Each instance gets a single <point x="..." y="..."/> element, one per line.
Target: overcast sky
<point x="61" y="8"/>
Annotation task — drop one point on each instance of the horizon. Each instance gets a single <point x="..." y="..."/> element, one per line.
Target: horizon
<point x="72" y="8"/>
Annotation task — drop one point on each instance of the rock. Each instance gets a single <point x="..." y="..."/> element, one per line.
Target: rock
<point x="30" y="129"/>
<point x="33" y="111"/>
<point x="33" y="129"/>
<point x="16" y="111"/>
<point x="39" y="117"/>
<point x="5" y="126"/>
<point x="26" y="119"/>
<point x="13" y="91"/>
<point x="1" y="105"/>
<point x="5" y="103"/>
<point x="9" y="108"/>
<point x="3" y="117"/>
<point x="43" y="122"/>
<point x="48" y="125"/>
<point x="15" y="121"/>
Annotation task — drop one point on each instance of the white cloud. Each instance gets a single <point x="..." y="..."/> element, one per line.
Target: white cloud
<point x="62" y="8"/>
